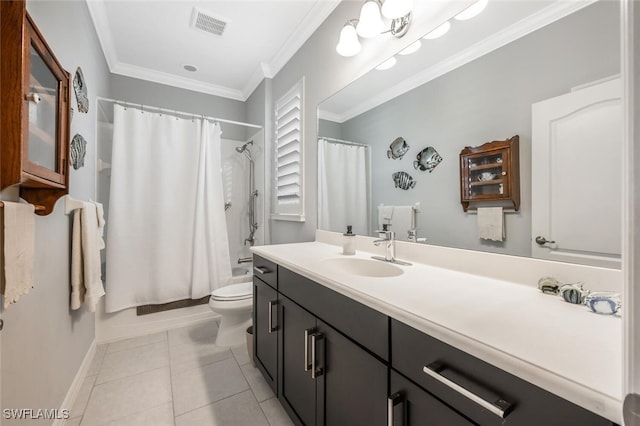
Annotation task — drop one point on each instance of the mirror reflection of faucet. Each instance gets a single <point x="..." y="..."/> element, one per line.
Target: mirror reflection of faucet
<point x="388" y="237"/>
<point x="413" y="236"/>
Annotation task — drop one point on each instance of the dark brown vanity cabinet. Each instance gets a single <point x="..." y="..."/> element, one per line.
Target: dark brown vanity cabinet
<point x="325" y="378"/>
<point x="34" y="111"/>
<point x="410" y="405"/>
<point x="478" y="390"/>
<point x="490" y="173"/>
<point x="265" y="320"/>
<point x="339" y="362"/>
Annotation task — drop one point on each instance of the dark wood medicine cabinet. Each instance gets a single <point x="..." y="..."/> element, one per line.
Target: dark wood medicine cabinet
<point x="34" y="111"/>
<point x="490" y="174"/>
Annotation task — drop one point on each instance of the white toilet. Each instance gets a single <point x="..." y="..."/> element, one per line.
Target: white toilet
<point x="234" y="303"/>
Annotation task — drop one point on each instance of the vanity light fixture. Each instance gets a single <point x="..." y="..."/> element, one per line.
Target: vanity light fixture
<point x="349" y="45"/>
<point x="371" y="23"/>
<point x="438" y="31"/>
<point x="472" y="11"/>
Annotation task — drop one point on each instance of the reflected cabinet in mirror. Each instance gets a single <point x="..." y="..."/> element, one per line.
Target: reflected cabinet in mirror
<point x="469" y="87"/>
<point x="35" y="111"/>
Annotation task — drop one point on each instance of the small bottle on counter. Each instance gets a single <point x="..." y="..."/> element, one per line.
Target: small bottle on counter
<point x="349" y="242"/>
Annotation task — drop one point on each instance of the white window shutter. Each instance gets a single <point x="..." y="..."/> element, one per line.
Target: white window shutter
<point x="289" y="160"/>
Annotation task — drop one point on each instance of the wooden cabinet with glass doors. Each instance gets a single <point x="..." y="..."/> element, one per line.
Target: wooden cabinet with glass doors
<point x="490" y="175"/>
<point x="34" y="111"/>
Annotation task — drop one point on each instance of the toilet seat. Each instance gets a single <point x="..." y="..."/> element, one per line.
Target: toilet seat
<point x="231" y="292"/>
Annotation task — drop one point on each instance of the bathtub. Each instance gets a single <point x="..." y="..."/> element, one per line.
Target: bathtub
<point x="242" y="273"/>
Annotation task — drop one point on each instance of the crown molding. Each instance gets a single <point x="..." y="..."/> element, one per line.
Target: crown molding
<point x="316" y="16"/>
<point x="98" y="15"/>
<point x="515" y="31"/>
<point x="142" y="73"/>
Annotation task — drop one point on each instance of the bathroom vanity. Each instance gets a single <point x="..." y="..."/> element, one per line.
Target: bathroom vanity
<point x="343" y="341"/>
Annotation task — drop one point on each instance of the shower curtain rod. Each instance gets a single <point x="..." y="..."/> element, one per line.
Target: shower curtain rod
<point x="343" y="142"/>
<point x="169" y="111"/>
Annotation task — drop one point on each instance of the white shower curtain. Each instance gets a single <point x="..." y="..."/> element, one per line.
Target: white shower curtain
<point x="167" y="236"/>
<point x="343" y="187"/>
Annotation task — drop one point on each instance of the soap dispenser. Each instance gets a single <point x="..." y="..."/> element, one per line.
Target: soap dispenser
<point x="349" y="242"/>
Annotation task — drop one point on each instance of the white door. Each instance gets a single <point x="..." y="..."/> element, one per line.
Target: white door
<point x="576" y="174"/>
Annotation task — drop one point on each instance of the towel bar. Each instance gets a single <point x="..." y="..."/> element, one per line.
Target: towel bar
<point x="36" y="207"/>
<point x="71" y="204"/>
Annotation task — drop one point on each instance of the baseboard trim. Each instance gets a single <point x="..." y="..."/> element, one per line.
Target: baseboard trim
<point x="74" y="389"/>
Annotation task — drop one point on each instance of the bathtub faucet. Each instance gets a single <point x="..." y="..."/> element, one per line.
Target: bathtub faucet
<point x="244" y="260"/>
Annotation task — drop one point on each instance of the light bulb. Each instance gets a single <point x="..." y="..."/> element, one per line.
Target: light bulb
<point x="438" y="31"/>
<point x="389" y="63"/>
<point x="394" y="9"/>
<point x="370" y="23"/>
<point x="472" y="11"/>
<point x="348" y="45"/>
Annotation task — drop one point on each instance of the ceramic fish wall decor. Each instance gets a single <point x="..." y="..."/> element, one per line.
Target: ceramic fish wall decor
<point x="403" y="180"/>
<point x="427" y="159"/>
<point x="397" y="149"/>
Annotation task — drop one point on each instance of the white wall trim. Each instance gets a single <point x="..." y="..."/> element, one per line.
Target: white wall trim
<point x="630" y="261"/>
<point x="175" y="81"/>
<point x="74" y="389"/>
<point x="98" y="16"/>
<point x="519" y="29"/>
<point x="126" y="324"/>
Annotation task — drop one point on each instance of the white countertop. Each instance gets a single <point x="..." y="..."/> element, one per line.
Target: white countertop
<point x="563" y="348"/>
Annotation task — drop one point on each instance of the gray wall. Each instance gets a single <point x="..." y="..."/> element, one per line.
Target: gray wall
<point x="43" y="342"/>
<point x="487" y="99"/>
<point x="173" y="98"/>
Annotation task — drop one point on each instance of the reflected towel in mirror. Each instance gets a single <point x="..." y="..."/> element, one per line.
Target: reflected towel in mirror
<point x="491" y="223"/>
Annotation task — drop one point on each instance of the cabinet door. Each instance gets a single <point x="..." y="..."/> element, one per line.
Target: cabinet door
<point x="297" y="389"/>
<point x="409" y="405"/>
<point x="352" y="383"/>
<point x="265" y="335"/>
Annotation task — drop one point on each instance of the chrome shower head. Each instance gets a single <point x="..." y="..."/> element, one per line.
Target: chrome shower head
<point x="242" y="148"/>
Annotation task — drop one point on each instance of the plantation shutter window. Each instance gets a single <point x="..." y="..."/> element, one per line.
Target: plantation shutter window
<point x="289" y="177"/>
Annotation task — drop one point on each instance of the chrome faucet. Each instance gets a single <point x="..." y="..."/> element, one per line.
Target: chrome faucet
<point x="388" y="237"/>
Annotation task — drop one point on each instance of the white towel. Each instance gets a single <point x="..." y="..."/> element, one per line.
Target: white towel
<point x="385" y="215"/>
<point x="19" y="250"/>
<point x="403" y="220"/>
<point x="86" y="279"/>
<point x="491" y="223"/>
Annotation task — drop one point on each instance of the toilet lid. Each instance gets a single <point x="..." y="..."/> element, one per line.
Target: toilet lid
<point x="234" y="291"/>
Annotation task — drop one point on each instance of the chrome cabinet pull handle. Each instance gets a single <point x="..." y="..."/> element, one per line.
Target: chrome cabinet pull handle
<point x="392" y="401"/>
<point x="307" y="332"/>
<point x="261" y="270"/>
<point x="315" y="372"/>
<point x="271" y="303"/>
<point x="500" y="407"/>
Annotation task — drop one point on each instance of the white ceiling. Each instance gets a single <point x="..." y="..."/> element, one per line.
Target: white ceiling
<point x="153" y="40"/>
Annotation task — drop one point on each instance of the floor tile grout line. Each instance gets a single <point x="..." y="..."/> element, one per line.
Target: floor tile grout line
<point x="136" y="346"/>
<point x="173" y="400"/>
<point x="216" y="401"/>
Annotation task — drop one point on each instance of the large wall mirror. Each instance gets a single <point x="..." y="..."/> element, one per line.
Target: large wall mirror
<point x="480" y="82"/>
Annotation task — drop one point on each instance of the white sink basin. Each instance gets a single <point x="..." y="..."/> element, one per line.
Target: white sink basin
<point x="362" y="267"/>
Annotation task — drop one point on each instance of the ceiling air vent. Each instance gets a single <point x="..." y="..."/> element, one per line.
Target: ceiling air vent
<point x="205" y="22"/>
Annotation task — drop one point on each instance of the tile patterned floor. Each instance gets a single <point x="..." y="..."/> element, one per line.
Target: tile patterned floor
<point x="179" y="377"/>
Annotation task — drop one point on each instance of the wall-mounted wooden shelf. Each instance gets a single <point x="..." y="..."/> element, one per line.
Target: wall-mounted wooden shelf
<point x="490" y="173"/>
<point x="34" y="149"/>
